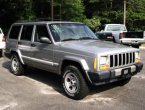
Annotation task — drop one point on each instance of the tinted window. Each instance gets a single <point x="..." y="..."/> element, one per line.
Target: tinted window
<point x="41" y="31"/>
<point x="27" y="33"/>
<point x="14" y="34"/>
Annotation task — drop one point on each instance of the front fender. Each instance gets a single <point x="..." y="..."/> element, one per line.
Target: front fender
<point x="79" y="60"/>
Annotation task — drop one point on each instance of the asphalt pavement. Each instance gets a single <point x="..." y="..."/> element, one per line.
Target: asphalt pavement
<point x="39" y="90"/>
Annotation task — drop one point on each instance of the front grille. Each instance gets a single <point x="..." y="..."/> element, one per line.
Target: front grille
<point x="122" y="59"/>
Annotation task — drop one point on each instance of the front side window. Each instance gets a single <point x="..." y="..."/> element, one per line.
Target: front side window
<point x="41" y="31"/>
<point x="14" y="33"/>
<point x="27" y="33"/>
<point x="71" y="31"/>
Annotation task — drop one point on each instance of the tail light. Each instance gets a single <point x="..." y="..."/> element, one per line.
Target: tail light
<point x="4" y="39"/>
<point x="120" y="35"/>
<point x="112" y="36"/>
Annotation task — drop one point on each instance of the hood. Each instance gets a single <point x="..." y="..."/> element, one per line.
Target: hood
<point x="96" y="46"/>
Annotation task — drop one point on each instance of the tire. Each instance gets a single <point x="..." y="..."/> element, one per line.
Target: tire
<point x="123" y="82"/>
<point x="74" y="85"/>
<point x="114" y="40"/>
<point x="16" y="66"/>
<point x="136" y="46"/>
<point x="1" y="53"/>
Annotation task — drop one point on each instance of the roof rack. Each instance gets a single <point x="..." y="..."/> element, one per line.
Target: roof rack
<point x="40" y="19"/>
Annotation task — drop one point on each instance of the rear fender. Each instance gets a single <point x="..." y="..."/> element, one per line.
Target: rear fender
<point x="18" y="53"/>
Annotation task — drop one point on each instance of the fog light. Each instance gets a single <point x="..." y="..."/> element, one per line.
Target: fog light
<point x="104" y="67"/>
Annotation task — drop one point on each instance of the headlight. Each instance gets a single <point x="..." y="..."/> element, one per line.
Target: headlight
<point x="103" y="60"/>
<point x="137" y="57"/>
<point x="104" y="63"/>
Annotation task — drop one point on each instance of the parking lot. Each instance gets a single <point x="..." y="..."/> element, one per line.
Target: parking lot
<point x="39" y="90"/>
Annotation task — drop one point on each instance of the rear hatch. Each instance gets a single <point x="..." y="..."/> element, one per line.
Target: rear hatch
<point x="133" y="38"/>
<point x="136" y="35"/>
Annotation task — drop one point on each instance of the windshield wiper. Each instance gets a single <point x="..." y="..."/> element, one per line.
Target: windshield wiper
<point x="87" y="38"/>
<point x="69" y="39"/>
<point x="82" y="38"/>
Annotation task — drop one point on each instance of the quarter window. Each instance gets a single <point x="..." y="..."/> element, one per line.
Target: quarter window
<point x="14" y="33"/>
<point x="27" y="33"/>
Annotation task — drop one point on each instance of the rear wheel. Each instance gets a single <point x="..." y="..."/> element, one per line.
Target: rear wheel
<point x="74" y="84"/>
<point x="1" y="53"/>
<point x="17" y="67"/>
<point x="114" y="40"/>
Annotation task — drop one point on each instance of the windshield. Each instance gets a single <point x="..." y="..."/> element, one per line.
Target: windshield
<point x="116" y="28"/>
<point x="71" y="31"/>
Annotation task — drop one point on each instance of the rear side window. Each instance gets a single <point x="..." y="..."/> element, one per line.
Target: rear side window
<point x="27" y="33"/>
<point x="14" y="33"/>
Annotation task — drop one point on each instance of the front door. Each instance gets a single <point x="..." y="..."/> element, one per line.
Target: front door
<point x="42" y="52"/>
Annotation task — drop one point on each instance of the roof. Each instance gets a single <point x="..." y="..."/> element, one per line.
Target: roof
<point x="114" y="24"/>
<point x="44" y="22"/>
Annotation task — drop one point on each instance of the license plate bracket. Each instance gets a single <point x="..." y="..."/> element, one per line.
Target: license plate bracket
<point x="125" y="71"/>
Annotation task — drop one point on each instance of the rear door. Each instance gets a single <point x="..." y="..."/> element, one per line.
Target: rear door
<point x="24" y="44"/>
<point x="13" y="35"/>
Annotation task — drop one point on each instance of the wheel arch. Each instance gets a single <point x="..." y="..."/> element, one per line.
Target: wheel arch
<point x="80" y="63"/>
<point x="18" y="53"/>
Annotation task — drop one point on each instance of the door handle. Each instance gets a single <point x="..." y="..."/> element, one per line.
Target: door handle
<point x="33" y="45"/>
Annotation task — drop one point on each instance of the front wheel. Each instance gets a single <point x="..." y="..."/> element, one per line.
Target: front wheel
<point x="74" y="84"/>
<point x="16" y="66"/>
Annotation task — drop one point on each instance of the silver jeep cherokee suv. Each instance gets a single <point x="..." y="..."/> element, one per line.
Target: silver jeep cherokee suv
<point x="73" y="51"/>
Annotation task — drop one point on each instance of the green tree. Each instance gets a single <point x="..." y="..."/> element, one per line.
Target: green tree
<point x="42" y="8"/>
<point x="136" y="15"/>
<point x="93" y="23"/>
<point x="13" y="10"/>
<point x="72" y="10"/>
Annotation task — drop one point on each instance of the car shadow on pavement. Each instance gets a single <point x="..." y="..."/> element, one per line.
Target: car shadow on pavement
<point x="45" y="77"/>
<point x="54" y="80"/>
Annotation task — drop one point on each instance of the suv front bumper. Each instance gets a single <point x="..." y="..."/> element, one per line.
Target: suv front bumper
<point x="109" y="76"/>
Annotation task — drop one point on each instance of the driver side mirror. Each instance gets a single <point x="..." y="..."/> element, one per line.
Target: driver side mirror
<point x="45" y="40"/>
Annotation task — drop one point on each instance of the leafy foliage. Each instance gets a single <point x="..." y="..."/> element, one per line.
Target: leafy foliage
<point x="93" y="23"/>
